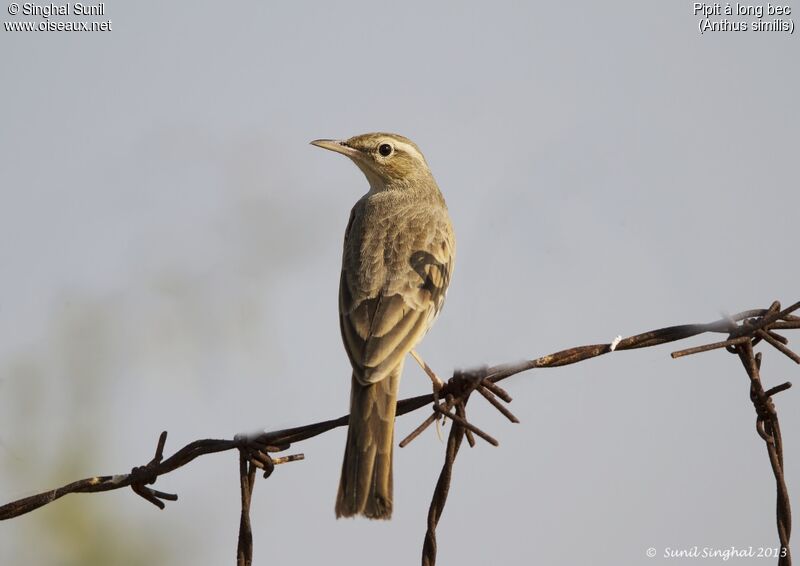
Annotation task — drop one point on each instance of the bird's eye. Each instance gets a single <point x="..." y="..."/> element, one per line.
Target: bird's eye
<point x="385" y="149"/>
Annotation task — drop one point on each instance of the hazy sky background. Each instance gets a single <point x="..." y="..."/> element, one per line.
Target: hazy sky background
<point x="170" y="248"/>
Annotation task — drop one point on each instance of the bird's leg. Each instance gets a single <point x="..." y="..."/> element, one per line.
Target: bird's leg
<point x="437" y="386"/>
<point x="437" y="382"/>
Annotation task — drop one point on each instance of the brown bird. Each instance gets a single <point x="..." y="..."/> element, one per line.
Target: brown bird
<point x="399" y="250"/>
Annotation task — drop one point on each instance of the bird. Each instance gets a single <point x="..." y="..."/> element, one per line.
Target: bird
<point x="398" y="257"/>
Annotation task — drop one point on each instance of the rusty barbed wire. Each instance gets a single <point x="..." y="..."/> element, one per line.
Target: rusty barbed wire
<point x="744" y="330"/>
<point x="141" y="476"/>
<point x="247" y="479"/>
<point x="454" y="440"/>
<point x="769" y="430"/>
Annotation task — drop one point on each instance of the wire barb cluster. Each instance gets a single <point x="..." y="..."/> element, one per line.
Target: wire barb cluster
<point x="456" y="392"/>
<point x="141" y="476"/>
<point x="744" y="330"/>
<point x="741" y="339"/>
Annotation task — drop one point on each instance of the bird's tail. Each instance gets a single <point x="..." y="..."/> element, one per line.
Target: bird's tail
<point x="365" y="487"/>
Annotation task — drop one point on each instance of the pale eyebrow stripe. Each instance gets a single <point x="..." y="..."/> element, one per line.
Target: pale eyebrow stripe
<point x="410" y="149"/>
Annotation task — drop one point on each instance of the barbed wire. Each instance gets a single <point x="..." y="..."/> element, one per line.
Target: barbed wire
<point x="744" y="330"/>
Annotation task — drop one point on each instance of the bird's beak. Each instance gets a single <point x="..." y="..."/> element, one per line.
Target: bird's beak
<point x="337" y="146"/>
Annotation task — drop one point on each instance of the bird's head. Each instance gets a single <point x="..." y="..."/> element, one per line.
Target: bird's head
<point x="387" y="160"/>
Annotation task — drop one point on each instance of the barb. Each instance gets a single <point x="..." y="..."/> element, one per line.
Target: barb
<point x="457" y="391"/>
<point x="141" y="476"/>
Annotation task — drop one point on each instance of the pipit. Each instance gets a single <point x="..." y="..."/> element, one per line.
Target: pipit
<point x="399" y="249"/>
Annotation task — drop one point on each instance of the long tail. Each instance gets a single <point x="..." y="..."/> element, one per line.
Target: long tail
<point x="365" y="487"/>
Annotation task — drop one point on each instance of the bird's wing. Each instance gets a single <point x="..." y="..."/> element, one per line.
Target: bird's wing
<point x="434" y="275"/>
<point x="378" y="332"/>
<point x="384" y="315"/>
